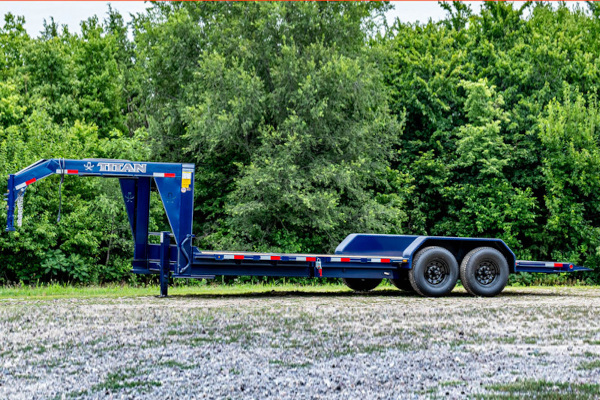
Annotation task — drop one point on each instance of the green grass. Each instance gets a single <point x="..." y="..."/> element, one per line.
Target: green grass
<point x="57" y="291"/>
<point x="127" y="378"/>
<point x="123" y="379"/>
<point x="451" y="383"/>
<point x="587" y="365"/>
<point x="176" y="364"/>
<point x="543" y="390"/>
<point x="290" y="364"/>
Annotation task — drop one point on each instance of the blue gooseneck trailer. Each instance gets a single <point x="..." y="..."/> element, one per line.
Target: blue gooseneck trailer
<point x="427" y="265"/>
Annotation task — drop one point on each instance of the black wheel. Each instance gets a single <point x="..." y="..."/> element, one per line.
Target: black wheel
<point x="484" y="272"/>
<point x="434" y="272"/>
<point x="403" y="283"/>
<point x="361" y="285"/>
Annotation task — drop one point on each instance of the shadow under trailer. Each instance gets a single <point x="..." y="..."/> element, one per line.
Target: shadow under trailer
<point x="427" y="265"/>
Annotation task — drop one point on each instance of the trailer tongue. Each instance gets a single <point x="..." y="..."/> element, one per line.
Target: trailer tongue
<point x="428" y="265"/>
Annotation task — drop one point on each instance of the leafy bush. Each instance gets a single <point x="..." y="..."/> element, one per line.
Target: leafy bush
<point x="307" y="122"/>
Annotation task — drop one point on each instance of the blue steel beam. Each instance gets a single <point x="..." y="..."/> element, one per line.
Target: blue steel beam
<point x="174" y="180"/>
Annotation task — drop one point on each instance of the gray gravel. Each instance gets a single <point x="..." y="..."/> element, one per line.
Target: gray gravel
<point x="382" y="345"/>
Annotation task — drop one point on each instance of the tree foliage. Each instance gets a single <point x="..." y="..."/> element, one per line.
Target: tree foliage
<point x="307" y="122"/>
<point x="483" y="96"/>
<point x="60" y="96"/>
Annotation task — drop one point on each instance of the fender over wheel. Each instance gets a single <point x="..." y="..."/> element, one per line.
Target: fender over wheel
<point x="484" y="272"/>
<point x="434" y="272"/>
<point x="360" y="284"/>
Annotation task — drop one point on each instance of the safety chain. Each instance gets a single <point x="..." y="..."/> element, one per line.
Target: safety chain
<point x="20" y="208"/>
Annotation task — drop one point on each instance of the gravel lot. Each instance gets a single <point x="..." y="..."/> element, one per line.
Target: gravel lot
<point x="383" y="345"/>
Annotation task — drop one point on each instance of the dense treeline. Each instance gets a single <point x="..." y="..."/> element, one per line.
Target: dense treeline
<point x="306" y="122"/>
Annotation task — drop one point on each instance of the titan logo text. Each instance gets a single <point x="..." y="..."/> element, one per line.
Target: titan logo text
<point x="121" y="167"/>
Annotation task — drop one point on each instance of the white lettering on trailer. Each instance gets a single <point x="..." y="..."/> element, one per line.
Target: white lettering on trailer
<point x="122" y="167"/>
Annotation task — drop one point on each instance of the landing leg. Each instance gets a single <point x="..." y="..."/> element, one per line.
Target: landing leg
<point x="165" y="267"/>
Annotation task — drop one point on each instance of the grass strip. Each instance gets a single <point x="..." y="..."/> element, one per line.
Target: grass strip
<point x="65" y="290"/>
<point x="57" y="291"/>
<point x="542" y="389"/>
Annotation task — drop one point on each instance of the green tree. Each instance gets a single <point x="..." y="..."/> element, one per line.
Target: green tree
<point x="483" y="202"/>
<point x="308" y="121"/>
<point x="570" y="137"/>
<point x="317" y="168"/>
<point x="488" y="176"/>
<point x="266" y="99"/>
<point x="13" y="38"/>
<point x="60" y="96"/>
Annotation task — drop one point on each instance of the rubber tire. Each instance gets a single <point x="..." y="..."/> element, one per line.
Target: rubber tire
<point x="469" y="265"/>
<point x="416" y="274"/>
<point x="360" y="284"/>
<point x="403" y="283"/>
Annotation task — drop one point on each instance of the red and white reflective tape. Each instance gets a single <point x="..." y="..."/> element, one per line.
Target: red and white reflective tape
<point x="306" y="258"/>
<point x="163" y="175"/>
<point x="543" y="264"/>
<point x="554" y="264"/>
<point x="67" y="171"/>
<point x="26" y="183"/>
<point x="381" y="260"/>
<point x="269" y="257"/>
<point x="250" y="257"/>
<point x="372" y="260"/>
<point x="340" y="259"/>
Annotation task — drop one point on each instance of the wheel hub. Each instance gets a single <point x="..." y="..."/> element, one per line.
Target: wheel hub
<point x="436" y="272"/>
<point x="486" y="272"/>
